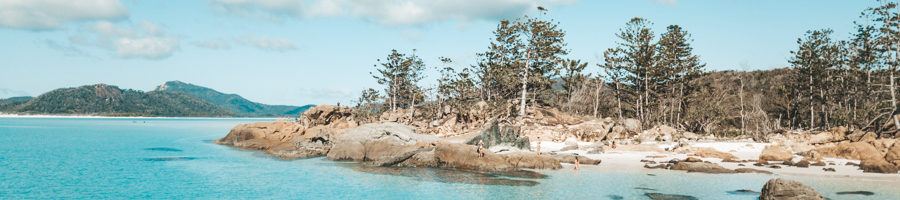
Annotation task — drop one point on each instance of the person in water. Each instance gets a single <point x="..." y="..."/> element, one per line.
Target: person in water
<point x="576" y="162"/>
<point x="481" y="148"/>
<point x="539" y="145"/>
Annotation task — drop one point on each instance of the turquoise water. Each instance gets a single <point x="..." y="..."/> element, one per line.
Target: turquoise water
<point x="76" y="158"/>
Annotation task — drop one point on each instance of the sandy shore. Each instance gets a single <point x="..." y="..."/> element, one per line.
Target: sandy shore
<point x="628" y="158"/>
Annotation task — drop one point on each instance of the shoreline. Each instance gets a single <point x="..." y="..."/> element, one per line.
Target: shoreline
<point x="628" y="160"/>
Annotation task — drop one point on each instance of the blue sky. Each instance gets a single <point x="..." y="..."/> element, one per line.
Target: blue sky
<point x="298" y="52"/>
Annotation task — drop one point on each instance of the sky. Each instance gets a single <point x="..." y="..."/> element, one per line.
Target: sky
<point x="298" y="52"/>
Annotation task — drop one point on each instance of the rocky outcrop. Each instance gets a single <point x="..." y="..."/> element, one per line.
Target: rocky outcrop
<point x="835" y="134"/>
<point x="463" y="156"/>
<point x="860" y="136"/>
<point x="313" y="142"/>
<point x="853" y="151"/>
<point x="260" y="135"/>
<point x="712" y="153"/>
<point x="775" y="153"/>
<point x="380" y="143"/>
<point x="878" y="166"/>
<point x="783" y="189"/>
<point x="570" y="158"/>
<point x="336" y="117"/>
<point x="501" y="135"/>
<point x="893" y="154"/>
<point x="531" y="161"/>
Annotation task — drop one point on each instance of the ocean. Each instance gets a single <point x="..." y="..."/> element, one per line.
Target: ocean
<point x="174" y="158"/>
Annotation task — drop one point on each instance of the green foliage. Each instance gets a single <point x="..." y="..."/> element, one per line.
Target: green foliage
<point x="108" y="100"/>
<point x="233" y="102"/>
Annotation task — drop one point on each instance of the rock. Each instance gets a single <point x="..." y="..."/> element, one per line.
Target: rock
<point x="326" y="115"/>
<point x="783" y="189"/>
<point x="379" y="142"/>
<point x="505" y="134"/>
<point x="596" y="148"/>
<point x="660" y="166"/>
<point x="802" y="163"/>
<point x="893" y="154"/>
<point x="660" y="196"/>
<point x="692" y="159"/>
<point x="700" y="167"/>
<point x="689" y="136"/>
<point x="569" y="148"/>
<point x="775" y="167"/>
<point x="741" y="165"/>
<point x="865" y="193"/>
<point x="859" y="136"/>
<point x="750" y="170"/>
<point x="571" y="141"/>
<point x="730" y="160"/>
<point x="569" y="158"/>
<point x="531" y="161"/>
<point x="775" y="153"/>
<point x="712" y="153"/>
<point x="851" y="164"/>
<point x="835" y="134"/>
<point x="463" y="156"/>
<point x="852" y="151"/>
<point x="260" y="135"/>
<point x="788" y="163"/>
<point x="758" y="164"/>
<point x="313" y="142"/>
<point x="632" y="125"/>
<point x="820" y="164"/>
<point x="762" y="162"/>
<point x="877" y="166"/>
<point x="830" y="169"/>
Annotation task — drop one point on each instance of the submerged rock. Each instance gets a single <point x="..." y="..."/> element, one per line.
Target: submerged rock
<point x="864" y="193"/>
<point x="660" y="196"/>
<point x="784" y="189"/>
<point x="163" y="149"/>
<point x="701" y="167"/>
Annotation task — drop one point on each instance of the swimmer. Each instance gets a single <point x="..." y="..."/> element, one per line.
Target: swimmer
<point x="576" y="162"/>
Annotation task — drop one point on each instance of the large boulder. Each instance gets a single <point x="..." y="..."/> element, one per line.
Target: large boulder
<point x="617" y="132"/>
<point x="326" y="115"/>
<point x="701" y="167"/>
<point x="893" y="154"/>
<point x="859" y="136"/>
<point x="775" y="153"/>
<point x="531" y="160"/>
<point x="632" y="125"/>
<point x="712" y="153"/>
<point x="381" y="143"/>
<point x="260" y="135"/>
<point x="878" y="166"/>
<point x="463" y="156"/>
<point x="501" y="135"/>
<point x="835" y="134"/>
<point x="784" y="189"/>
<point x="570" y="158"/>
<point x="853" y="151"/>
<point x="313" y="142"/>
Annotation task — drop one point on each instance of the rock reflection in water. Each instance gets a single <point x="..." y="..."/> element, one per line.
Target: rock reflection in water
<point x="452" y="176"/>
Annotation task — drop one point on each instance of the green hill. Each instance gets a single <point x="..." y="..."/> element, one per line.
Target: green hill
<point x="232" y="102"/>
<point x="102" y="99"/>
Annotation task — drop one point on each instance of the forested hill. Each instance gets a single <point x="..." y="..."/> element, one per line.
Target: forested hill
<point x="107" y="100"/>
<point x="232" y="102"/>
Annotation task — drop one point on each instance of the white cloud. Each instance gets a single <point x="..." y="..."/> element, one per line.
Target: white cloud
<point x="672" y="3"/>
<point x="213" y="44"/>
<point x="266" y="43"/>
<point x="143" y="40"/>
<point x="66" y="48"/>
<point x="51" y="14"/>
<point x="386" y="12"/>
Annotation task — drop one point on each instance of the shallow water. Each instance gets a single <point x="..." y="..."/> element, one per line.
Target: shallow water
<point x="84" y="158"/>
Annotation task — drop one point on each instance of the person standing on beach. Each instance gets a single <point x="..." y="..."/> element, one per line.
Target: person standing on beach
<point x="539" y="145"/>
<point x="481" y="148"/>
<point x="614" y="145"/>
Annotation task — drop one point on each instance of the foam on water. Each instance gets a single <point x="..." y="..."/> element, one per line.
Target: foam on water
<point x="77" y="158"/>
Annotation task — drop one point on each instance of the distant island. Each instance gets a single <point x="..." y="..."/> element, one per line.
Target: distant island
<point x="172" y="99"/>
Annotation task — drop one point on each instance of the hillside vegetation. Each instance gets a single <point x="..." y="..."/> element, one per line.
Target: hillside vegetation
<point x="232" y="102"/>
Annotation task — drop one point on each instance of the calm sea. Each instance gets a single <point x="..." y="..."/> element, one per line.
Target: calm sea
<point x="124" y="158"/>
